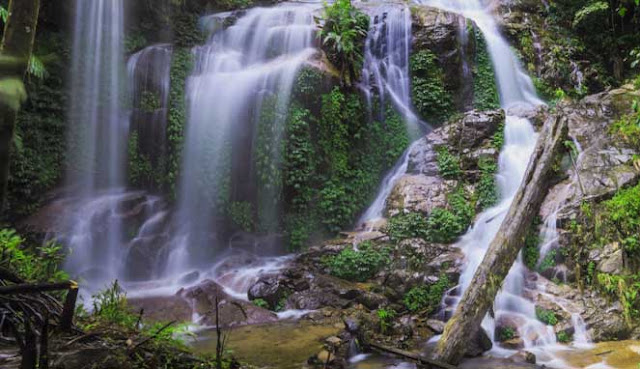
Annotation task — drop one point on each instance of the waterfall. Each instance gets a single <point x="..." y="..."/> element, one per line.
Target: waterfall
<point x="241" y="73"/>
<point x="386" y="72"/>
<point x="97" y="138"/>
<point x="386" y="63"/>
<point x="149" y="77"/>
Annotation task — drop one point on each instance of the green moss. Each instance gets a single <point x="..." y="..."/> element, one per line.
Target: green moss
<point x="485" y="91"/>
<point x="242" y="215"/>
<point x="549" y="261"/>
<point x="140" y="169"/>
<point x="531" y="252"/>
<point x="448" y="164"/>
<point x="627" y="127"/>
<point x="623" y="218"/>
<point x="426" y="298"/>
<point x="261" y="303"/>
<point x="430" y="96"/>
<point x="359" y="265"/>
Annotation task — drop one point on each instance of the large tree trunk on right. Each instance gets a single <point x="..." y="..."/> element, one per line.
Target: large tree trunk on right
<point x="17" y="43"/>
<point x="504" y="249"/>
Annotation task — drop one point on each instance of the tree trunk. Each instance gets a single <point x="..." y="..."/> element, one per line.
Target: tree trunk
<point x="504" y="249"/>
<point x="17" y="43"/>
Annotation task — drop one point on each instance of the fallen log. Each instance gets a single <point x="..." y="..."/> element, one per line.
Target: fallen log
<point x="25" y="288"/>
<point x="423" y="361"/>
<point x="503" y="250"/>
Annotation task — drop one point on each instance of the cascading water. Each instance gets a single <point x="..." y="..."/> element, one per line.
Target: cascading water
<point x="97" y="140"/>
<point x="149" y="76"/>
<point x="516" y="89"/>
<point x="386" y="72"/>
<point x="386" y="63"/>
<point x="239" y="73"/>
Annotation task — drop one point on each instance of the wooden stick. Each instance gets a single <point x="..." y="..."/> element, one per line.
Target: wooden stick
<point x="36" y="287"/>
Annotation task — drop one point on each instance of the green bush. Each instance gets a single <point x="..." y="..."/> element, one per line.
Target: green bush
<point x="505" y="333"/>
<point x="548" y="317"/>
<point x="40" y="264"/>
<point x="430" y="96"/>
<point x="386" y="317"/>
<point x="405" y="226"/>
<point x="563" y="337"/>
<point x="261" y="303"/>
<point x="485" y="91"/>
<point x="443" y="226"/>
<point x="241" y="214"/>
<point x="487" y="193"/>
<point x="359" y="265"/>
<point x="426" y="298"/>
<point x="448" y="164"/>
<point x="623" y="218"/>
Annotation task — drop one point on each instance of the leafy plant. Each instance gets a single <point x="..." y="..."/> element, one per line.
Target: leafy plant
<point x="343" y="32"/>
<point x="358" y="265"/>
<point x="448" y="164"/>
<point x="487" y="188"/>
<point x="548" y="317"/>
<point x="261" y="303"/>
<point x="563" y="337"/>
<point x="505" y="333"/>
<point x="485" y="92"/>
<point x="386" y="317"/>
<point x="405" y="226"/>
<point x="426" y="298"/>
<point x="429" y="93"/>
<point x="33" y="264"/>
<point x="444" y="226"/>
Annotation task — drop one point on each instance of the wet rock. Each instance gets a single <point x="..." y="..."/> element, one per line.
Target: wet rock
<point x="437" y="326"/>
<point x="418" y="193"/>
<point x="513" y="344"/>
<point x="473" y="128"/>
<point x="611" y="259"/>
<point x="162" y="308"/>
<point x="352" y="325"/>
<point x="523" y="357"/>
<point x="371" y="300"/>
<point x="268" y="289"/>
<point x="479" y="344"/>
<point x="232" y="312"/>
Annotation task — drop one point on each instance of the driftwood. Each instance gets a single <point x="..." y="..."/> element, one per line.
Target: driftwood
<point x="504" y="249"/>
<point x="423" y="361"/>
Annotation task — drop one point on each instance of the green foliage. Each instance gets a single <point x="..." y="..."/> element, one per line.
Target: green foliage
<point x="426" y="298"/>
<point x="443" y="226"/>
<point x="343" y="33"/>
<point x="593" y="10"/>
<point x="448" y="164"/>
<point x="111" y="306"/>
<point x="40" y="141"/>
<point x="150" y="102"/>
<point x="627" y="127"/>
<point x="549" y="261"/>
<point x="140" y="168"/>
<point x="359" y="265"/>
<point x="405" y="226"/>
<point x="505" y="333"/>
<point x="181" y="65"/>
<point x="548" y="317"/>
<point x="497" y="141"/>
<point x="386" y="317"/>
<point x="623" y="216"/>
<point x="626" y="289"/>
<point x="563" y="337"/>
<point x="530" y="251"/>
<point x="241" y="214"/>
<point x="261" y="303"/>
<point x="487" y="193"/>
<point x="485" y="92"/>
<point x="134" y="42"/>
<point x="4" y="14"/>
<point x="30" y="263"/>
<point x="430" y="96"/>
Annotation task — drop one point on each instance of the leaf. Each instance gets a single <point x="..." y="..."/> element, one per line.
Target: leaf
<point x="588" y="10"/>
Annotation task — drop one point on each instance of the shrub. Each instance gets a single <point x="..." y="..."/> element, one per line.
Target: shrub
<point x="32" y="264"/>
<point x="359" y="265"/>
<point x="505" y="333"/>
<point x="261" y="303"/>
<point x="628" y="126"/>
<point x="444" y="226"/>
<point x="429" y="93"/>
<point x="548" y="317"/>
<point x="405" y="226"/>
<point x="623" y="217"/>
<point x="386" y="317"/>
<point x="448" y="164"/>
<point x="241" y="214"/>
<point x="426" y="298"/>
<point x="563" y="337"/>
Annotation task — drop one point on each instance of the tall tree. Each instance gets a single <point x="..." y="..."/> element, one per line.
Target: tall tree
<point x="16" y="48"/>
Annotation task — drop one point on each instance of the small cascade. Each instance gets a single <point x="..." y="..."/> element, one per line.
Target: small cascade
<point x="386" y="63"/>
<point x="97" y="141"/>
<point x="238" y="98"/>
<point x="375" y="211"/>
<point x="149" y="79"/>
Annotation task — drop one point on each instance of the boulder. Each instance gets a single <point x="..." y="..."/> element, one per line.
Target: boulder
<point x="268" y="289"/>
<point x="437" y="326"/>
<point x="479" y="344"/>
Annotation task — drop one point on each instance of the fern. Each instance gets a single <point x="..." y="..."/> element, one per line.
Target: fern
<point x="588" y="10"/>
